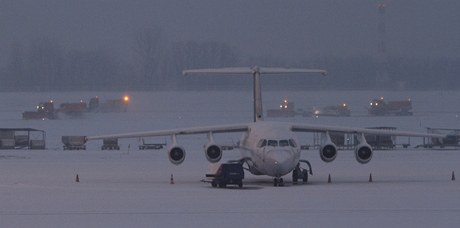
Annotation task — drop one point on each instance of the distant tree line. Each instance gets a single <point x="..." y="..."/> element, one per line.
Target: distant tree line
<point x="45" y="65"/>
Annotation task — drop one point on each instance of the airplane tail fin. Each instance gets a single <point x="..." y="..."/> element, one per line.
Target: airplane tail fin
<point x="255" y="72"/>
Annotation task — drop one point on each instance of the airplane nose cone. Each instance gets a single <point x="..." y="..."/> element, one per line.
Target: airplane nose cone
<point x="281" y="161"/>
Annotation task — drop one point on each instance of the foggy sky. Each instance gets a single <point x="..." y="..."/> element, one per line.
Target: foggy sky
<point x="288" y="29"/>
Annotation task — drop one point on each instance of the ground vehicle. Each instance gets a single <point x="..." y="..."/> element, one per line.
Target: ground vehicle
<point x="333" y="110"/>
<point x="227" y="173"/>
<point x="116" y="105"/>
<point x="379" y="107"/>
<point x="45" y="110"/>
<point x="286" y="110"/>
<point x="74" y="109"/>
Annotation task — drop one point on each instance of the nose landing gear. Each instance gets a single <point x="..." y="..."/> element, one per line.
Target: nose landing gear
<point x="278" y="181"/>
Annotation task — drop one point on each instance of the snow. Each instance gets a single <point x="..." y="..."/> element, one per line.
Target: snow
<point x="131" y="188"/>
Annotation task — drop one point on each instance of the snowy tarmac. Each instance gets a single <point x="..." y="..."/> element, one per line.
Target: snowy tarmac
<point x="131" y="188"/>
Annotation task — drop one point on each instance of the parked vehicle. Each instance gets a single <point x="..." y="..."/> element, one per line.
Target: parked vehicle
<point x="226" y="174"/>
<point x="379" y="107"/>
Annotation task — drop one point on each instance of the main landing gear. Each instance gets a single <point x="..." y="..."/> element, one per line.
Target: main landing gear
<point x="301" y="173"/>
<point x="297" y="173"/>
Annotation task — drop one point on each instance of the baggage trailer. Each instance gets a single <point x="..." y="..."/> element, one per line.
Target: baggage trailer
<point x="74" y="142"/>
<point x="110" y="144"/>
<point x="22" y="138"/>
<point x="151" y="146"/>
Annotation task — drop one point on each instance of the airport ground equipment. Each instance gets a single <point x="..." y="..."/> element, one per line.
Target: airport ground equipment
<point x="286" y="109"/>
<point x="110" y="144"/>
<point x="74" y="142"/>
<point x="46" y="110"/>
<point x="451" y="139"/>
<point x="379" y="107"/>
<point x="151" y="146"/>
<point x="301" y="173"/>
<point x="114" y="105"/>
<point x="332" y="110"/>
<point x="226" y="174"/>
<point x="22" y="138"/>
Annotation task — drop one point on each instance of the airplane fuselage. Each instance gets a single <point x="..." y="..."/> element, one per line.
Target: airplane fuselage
<point x="271" y="147"/>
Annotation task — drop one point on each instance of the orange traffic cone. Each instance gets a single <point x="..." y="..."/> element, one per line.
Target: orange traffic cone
<point x="172" y="179"/>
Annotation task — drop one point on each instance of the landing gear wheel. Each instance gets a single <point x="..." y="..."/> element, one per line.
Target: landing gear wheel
<point x="281" y="182"/>
<point x="295" y="176"/>
<point x="305" y="176"/>
<point x="278" y="182"/>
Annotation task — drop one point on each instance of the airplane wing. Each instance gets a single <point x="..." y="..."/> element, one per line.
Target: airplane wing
<point x="178" y="131"/>
<point x="323" y="128"/>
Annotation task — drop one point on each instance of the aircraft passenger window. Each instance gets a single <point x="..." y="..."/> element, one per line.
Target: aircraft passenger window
<point x="272" y="143"/>
<point x="292" y="143"/>
<point x="284" y="143"/>
<point x="262" y="143"/>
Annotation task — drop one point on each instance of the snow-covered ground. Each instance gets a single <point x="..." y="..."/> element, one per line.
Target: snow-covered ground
<point x="131" y="188"/>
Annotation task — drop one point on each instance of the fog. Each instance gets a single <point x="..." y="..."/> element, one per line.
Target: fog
<point x="105" y="37"/>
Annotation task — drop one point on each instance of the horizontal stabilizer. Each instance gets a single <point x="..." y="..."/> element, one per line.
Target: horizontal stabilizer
<point x="252" y="70"/>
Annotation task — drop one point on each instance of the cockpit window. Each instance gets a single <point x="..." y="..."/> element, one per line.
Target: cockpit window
<point x="272" y="143"/>
<point x="276" y="143"/>
<point x="262" y="143"/>
<point x="284" y="143"/>
<point x="292" y="143"/>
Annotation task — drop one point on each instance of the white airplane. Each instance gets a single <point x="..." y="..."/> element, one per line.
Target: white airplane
<point x="268" y="148"/>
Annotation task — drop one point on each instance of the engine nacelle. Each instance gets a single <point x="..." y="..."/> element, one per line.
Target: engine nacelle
<point x="363" y="153"/>
<point x="213" y="153"/>
<point x="176" y="154"/>
<point x="328" y="152"/>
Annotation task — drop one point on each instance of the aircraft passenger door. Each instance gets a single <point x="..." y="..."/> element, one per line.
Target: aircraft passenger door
<point x="261" y="149"/>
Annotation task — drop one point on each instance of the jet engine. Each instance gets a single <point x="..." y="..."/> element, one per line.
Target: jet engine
<point x="328" y="152"/>
<point x="176" y="154"/>
<point x="363" y="153"/>
<point x="213" y="152"/>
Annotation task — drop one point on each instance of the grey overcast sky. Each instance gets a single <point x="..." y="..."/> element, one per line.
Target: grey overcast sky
<point x="289" y="29"/>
